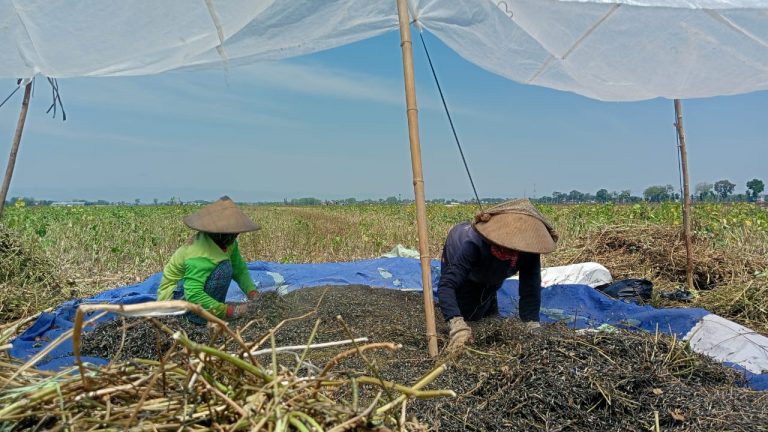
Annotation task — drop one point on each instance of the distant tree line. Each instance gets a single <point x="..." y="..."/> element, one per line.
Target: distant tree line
<point x="21" y="201"/>
<point x="720" y="191"/>
<point x="601" y="196"/>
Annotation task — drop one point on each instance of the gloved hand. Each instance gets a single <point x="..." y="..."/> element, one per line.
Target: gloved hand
<point x="533" y="327"/>
<point x="238" y="310"/>
<point x="253" y="295"/>
<point x="460" y="334"/>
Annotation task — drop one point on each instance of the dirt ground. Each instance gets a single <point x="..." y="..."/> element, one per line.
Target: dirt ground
<point x="559" y="380"/>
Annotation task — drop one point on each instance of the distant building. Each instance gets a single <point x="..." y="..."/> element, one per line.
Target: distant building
<point x="67" y="203"/>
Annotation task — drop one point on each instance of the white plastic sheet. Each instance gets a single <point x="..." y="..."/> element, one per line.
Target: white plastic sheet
<point x="609" y="50"/>
<point x="588" y="273"/>
<point x="726" y="341"/>
<point x="61" y="38"/>
<point x="615" y="51"/>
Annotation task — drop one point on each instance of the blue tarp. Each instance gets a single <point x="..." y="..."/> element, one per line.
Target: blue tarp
<point x="579" y="305"/>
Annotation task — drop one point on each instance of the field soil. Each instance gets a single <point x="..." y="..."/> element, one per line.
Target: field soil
<point x="509" y="379"/>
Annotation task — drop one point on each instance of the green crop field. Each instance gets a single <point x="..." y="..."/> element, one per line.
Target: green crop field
<point x="170" y="369"/>
<point x="77" y="251"/>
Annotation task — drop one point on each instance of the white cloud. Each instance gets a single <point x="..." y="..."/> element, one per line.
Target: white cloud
<point x="318" y="79"/>
<point x="321" y="80"/>
<point x="169" y="96"/>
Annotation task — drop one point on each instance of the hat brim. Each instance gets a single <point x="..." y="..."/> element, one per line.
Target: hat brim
<point x="222" y="217"/>
<point x="517" y="231"/>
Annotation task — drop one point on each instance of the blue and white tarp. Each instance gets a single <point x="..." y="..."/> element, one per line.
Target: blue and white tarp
<point x="572" y="301"/>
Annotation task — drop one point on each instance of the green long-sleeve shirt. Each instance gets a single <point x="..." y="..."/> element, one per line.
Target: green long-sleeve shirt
<point x="193" y="263"/>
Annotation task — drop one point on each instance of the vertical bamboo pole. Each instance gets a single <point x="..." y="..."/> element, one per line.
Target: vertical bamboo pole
<point x="418" y="178"/>
<point x="15" y="147"/>
<point x="686" y="196"/>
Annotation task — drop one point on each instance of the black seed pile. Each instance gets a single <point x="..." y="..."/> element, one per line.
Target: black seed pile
<point x="557" y="380"/>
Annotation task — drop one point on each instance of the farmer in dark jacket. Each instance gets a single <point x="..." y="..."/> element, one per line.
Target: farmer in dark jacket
<point x="503" y="240"/>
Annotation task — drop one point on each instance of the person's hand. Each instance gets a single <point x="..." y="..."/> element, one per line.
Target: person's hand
<point x="238" y="310"/>
<point x="533" y="327"/>
<point x="253" y="295"/>
<point x="460" y="334"/>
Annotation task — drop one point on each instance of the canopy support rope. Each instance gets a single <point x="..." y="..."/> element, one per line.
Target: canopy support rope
<point x="450" y="121"/>
<point x="10" y="95"/>
<point x="56" y="95"/>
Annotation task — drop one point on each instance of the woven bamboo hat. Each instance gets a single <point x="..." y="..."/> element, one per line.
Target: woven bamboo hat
<point x="517" y="225"/>
<point x="223" y="217"/>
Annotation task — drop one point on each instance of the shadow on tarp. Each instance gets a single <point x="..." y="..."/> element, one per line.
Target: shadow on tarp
<point x="579" y="306"/>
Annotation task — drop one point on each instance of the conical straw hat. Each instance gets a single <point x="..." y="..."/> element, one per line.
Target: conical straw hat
<point x="223" y="217"/>
<point x="517" y="225"/>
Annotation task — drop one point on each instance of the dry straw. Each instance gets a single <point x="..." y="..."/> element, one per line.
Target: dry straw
<point x="732" y="277"/>
<point x="29" y="281"/>
<point x="200" y="387"/>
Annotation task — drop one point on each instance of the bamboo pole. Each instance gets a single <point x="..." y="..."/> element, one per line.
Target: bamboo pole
<point x="686" y="197"/>
<point x="15" y="147"/>
<point x="418" y="178"/>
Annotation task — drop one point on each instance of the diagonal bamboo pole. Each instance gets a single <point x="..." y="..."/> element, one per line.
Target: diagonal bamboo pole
<point x="15" y="147"/>
<point x="418" y="178"/>
<point x="686" y="197"/>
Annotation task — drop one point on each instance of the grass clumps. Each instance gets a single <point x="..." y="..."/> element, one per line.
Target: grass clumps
<point x="729" y="272"/>
<point x="29" y="281"/>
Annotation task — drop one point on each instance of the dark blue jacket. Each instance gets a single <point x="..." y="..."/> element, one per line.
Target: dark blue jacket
<point x="470" y="275"/>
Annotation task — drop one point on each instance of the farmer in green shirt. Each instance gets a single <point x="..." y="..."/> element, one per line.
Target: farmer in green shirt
<point x="201" y="270"/>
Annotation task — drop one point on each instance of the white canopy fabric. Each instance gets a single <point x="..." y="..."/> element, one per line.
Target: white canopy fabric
<point x="609" y="50"/>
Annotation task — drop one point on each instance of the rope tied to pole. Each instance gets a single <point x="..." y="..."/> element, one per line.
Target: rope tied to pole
<point x="56" y="95"/>
<point x="450" y="120"/>
<point x="9" y="96"/>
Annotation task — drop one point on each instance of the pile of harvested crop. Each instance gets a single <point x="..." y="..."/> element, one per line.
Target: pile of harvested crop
<point x="509" y="379"/>
<point x="228" y="384"/>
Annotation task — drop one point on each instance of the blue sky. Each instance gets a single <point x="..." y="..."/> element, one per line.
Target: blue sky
<point x="333" y="125"/>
